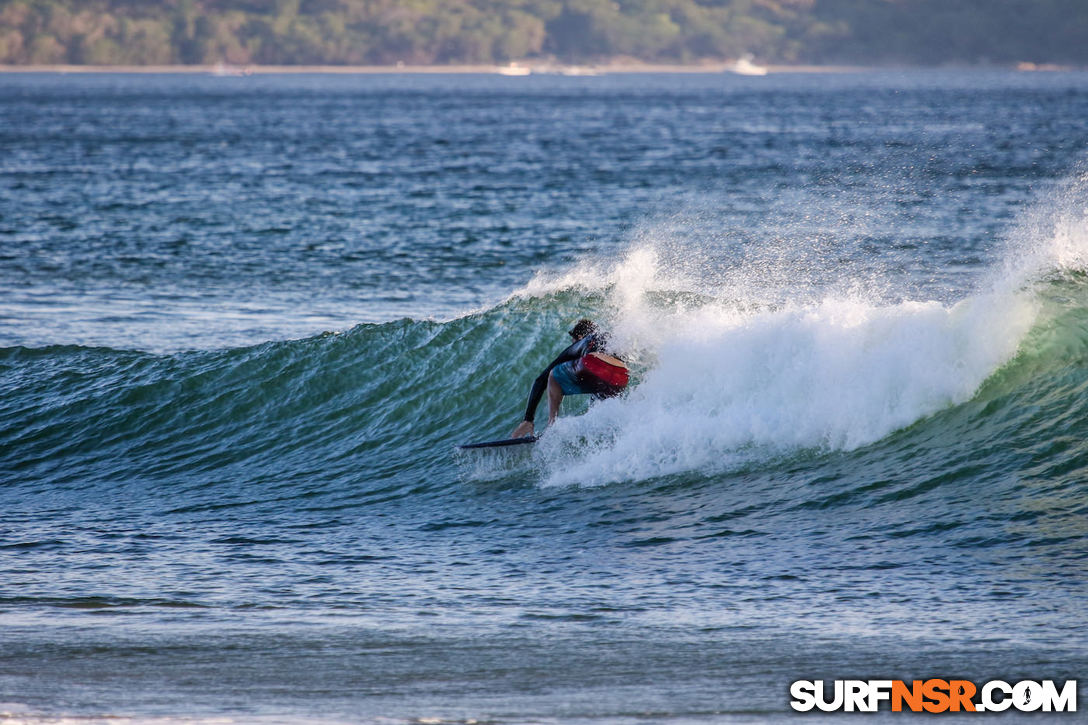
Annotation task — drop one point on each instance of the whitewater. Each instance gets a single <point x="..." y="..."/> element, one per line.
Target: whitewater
<point x="730" y="376"/>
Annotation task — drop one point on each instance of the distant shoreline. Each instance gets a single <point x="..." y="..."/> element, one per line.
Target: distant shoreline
<point x="489" y="69"/>
<point x="523" y="68"/>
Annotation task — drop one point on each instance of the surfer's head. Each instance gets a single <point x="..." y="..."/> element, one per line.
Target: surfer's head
<point x="582" y="328"/>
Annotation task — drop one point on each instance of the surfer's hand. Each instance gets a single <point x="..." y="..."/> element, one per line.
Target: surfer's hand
<point x="525" y="428"/>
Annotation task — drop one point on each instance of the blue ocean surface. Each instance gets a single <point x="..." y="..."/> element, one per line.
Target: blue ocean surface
<point x="245" y="323"/>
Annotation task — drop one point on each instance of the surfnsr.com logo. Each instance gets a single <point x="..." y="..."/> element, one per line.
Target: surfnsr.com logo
<point x="934" y="696"/>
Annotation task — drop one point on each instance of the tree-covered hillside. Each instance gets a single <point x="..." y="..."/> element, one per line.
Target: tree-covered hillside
<point x="140" y="32"/>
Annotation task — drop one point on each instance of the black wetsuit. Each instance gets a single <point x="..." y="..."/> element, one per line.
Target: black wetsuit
<point x="589" y="343"/>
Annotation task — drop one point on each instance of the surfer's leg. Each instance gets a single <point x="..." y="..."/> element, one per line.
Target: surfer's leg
<point x="555" y="397"/>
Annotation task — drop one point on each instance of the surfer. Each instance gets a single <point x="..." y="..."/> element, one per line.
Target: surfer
<point x="582" y="369"/>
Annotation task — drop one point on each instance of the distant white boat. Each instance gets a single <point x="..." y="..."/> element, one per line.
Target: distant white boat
<point x="578" y="70"/>
<point x="745" y="67"/>
<point x="553" y="69"/>
<point x="227" y="70"/>
<point x="1027" y="66"/>
<point x="513" y="70"/>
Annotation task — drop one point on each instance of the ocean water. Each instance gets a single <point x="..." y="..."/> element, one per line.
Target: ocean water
<point x="245" y="322"/>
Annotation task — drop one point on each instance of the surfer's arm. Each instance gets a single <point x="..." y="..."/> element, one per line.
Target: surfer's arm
<point x="536" y="393"/>
<point x="525" y="427"/>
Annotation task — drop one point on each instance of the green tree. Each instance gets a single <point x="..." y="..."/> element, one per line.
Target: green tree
<point x="458" y="31"/>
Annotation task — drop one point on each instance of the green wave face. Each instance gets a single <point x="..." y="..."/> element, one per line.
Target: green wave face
<point x="717" y="388"/>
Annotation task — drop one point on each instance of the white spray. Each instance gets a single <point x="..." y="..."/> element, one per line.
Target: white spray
<point x="728" y="379"/>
